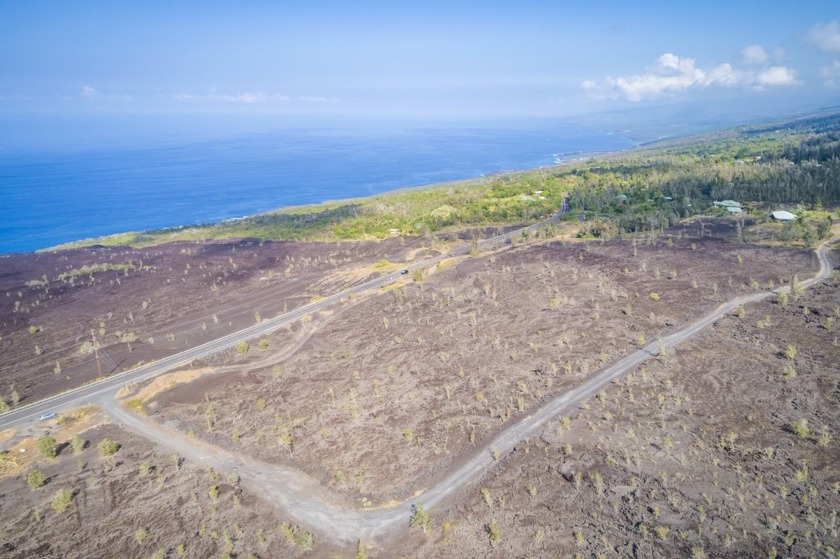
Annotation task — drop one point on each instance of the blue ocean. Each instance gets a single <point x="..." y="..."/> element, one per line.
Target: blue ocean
<point x="60" y="184"/>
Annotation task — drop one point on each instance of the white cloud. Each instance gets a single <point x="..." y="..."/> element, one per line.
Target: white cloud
<point x="754" y="54"/>
<point x="831" y="74"/>
<point x="89" y="92"/>
<point x="672" y="74"/>
<point x="724" y="75"/>
<point x="776" y="75"/>
<point x="826" y="37"/>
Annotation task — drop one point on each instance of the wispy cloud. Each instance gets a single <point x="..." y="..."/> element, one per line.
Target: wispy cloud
<point x="248" y="98"/>
<point x="89" y="93"/>
<point x="776" y="75"/>
<point x="672" y="74"/>
<point x="831" y="74"/>
<point x="754" y="54"/>
<point x="826" y="37"/>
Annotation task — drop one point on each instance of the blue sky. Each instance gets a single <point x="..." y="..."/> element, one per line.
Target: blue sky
<point x="413" y="59"/>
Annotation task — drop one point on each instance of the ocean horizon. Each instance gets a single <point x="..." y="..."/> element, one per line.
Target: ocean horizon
<point x="62" y="188"/>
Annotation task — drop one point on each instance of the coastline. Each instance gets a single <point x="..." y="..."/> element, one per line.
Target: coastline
<point x="129" y="238"/>
<point x="70" y="198"/>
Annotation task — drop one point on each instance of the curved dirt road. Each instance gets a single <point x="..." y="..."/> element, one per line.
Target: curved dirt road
<point x="302" y="499"/>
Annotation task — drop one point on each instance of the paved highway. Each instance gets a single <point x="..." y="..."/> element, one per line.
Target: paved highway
<point x="85" y="394"/>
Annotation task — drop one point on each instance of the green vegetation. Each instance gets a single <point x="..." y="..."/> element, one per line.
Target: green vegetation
<point x="78" y="444"/>
<point x="46" y="446"/>
<point x="420" y="518"/>
<point x="107" y="447"/>
<point x="644" y="190"/>
<point x="91" y="270"/>
<point x="140" y="535"/>
<point x="35" y="479"/>
<point x="62" y="499"/>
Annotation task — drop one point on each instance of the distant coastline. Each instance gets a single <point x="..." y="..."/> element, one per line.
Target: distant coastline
<point x="58" y="198"/>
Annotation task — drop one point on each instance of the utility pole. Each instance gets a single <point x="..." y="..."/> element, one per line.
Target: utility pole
<point x="96" y="353"/>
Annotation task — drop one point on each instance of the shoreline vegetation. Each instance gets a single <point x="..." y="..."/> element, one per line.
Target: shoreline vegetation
<point x="793" y="164"/>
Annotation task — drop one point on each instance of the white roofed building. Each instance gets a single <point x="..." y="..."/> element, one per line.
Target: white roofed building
<point x="782" y="215"/>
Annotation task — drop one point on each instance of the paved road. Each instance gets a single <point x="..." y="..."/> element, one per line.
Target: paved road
<point x="82" y="395"/>
<point x="302" y="499"/>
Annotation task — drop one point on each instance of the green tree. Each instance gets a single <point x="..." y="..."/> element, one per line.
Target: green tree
<point x="46" y="446"/>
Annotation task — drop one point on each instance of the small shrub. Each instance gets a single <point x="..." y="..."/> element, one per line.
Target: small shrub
<point x="800" y="428"/>
<point x="655" y="296"/>
<point x="488" y="499"/>
<point x="62" y="499"/>
<point x="78" y="444"/>
<point x="824" y="438"/>
<point x="305" y="541"/>
<point x="580" y="539"/>
<point x="493" y="530"/>
<point x="662" y="532"/>
<point x="107" y="447"/>
<point x="35" y="479"/>
<point x="140" y="535"/>
<point x="420" y="518"/>
<point x="242" y="347"/>
<point x="361" y="553"/>
<point x="789" y="372"/>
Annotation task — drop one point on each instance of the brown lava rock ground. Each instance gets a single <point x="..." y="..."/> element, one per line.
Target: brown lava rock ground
<point x="390" y="393"/>
<point x="113" y="499"/>
<point x="692" y="456"/>
<point x="165" y="298"/>
<point x="701" y="453"/>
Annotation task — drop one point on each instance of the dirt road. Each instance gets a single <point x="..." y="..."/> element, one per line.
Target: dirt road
<point x="303" y="499"/>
